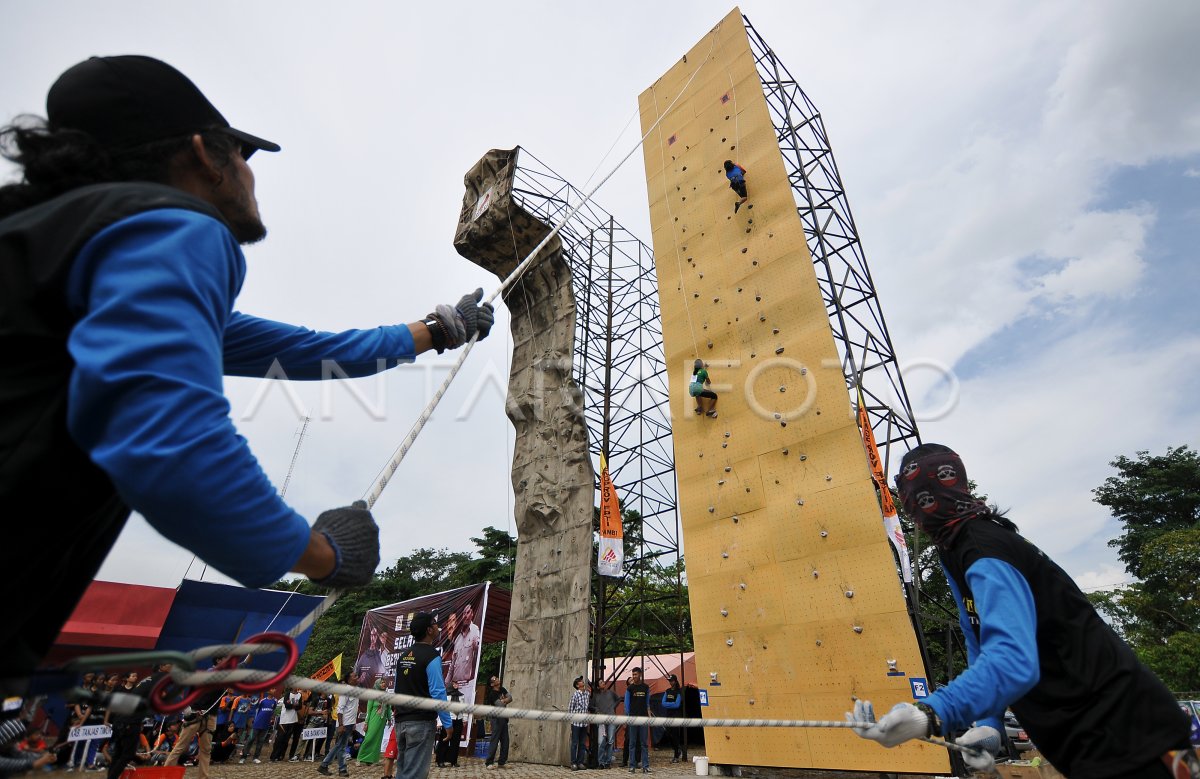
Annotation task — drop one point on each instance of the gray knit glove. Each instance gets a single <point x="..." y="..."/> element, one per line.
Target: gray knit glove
<point x="354" y="536"/>
<point x="483" y="316"/>
<point x="476" y="318"/>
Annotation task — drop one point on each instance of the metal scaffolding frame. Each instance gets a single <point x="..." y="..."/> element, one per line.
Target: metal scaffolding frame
<point x="862" y="338"/>
<point x="619" y="363"/>
<point x="619" y="367"/>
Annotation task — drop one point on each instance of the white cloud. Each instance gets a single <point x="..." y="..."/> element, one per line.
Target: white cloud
<point x="970" y="139"/>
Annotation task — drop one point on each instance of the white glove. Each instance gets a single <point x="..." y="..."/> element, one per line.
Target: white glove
<point x="986" y="740"/>
<point x="904" y="722"/>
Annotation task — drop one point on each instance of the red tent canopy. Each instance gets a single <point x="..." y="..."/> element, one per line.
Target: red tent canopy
<point x="114" y="616"/>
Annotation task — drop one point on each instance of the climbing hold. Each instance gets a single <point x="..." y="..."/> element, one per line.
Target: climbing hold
<point x="783" y="424"/>
<point x="785" y="451"/>
<point x="828" y="477"/>
<point x="728" y="469"/>
<point x="741" y="585"/>
<point x="815" y="574"/>
<point x="725" y="554"/>
<point x="724" y="446"/>
<point x="735" y="517"/>
<point x="849" y="593"/>
<point x="729" y="642"/>
<point x="803" y="457"/>
<point x="720" y="482"/>
<point x="735" y="520"/>
<point x="782" y="388"/>
<point x="724" y="612"/>
<point x="747" y="229"/>
<point x="804" y="371"/>
<point x="743" y="250"/>
<point x="712" y="509"/>
<point x="762" y="317"/>
<point x="858" y="628"/>
<point x="775" y="331"/>
<point x="824" y="534"/>
<point x="726" y="433"/>
<point x="778" y="415"/>
<point x="716" y="300"/>
<point x="701" y="275"/>
<point x="819" y="642"/>
<point x="779" y="350"/>
<point x="758" y="298"/>
<point x="710" y="344"/>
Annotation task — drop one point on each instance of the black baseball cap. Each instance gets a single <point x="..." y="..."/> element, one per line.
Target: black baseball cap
<point x="128" y="100"/>
<point x="420" y="624"/>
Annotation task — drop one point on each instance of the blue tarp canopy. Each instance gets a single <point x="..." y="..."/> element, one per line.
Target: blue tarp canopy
<point x="206" y="613"/>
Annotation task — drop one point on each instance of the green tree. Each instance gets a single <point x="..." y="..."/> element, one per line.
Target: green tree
<point x="1151" y="495"/>
<point x="1157" y="499"/>
<point x="646" y="610"/>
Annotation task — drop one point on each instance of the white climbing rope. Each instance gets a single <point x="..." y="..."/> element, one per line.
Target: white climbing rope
<point x="398" y="456"/>
<point x="214" y="678"/>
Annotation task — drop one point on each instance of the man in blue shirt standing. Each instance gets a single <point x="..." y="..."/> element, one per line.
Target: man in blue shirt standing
<point x="264" y="716"/>
<point x="120" y="261"/>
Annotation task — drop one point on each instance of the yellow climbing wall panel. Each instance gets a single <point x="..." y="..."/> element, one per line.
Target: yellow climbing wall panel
<point x="796" y="605"/>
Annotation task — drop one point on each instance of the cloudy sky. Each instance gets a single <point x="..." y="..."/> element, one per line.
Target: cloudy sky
<point x="1025" y="177"/>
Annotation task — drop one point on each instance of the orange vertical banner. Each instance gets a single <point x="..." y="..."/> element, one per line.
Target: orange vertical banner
<point x="891" y="522"/>
<point x="611" y="555"/>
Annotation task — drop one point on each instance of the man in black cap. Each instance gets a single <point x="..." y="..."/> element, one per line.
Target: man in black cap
<point x="120" y="261"/>
<point x="419" y="673"/>
<point x="672" y="706"/>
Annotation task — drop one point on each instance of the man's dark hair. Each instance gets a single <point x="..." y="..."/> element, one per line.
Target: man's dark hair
<point x="57" y="161"/>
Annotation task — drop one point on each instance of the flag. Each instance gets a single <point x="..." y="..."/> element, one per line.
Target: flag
<point x="891" y="522"/>
<point x="332" y="668"/>
<point x="611" y="556"/>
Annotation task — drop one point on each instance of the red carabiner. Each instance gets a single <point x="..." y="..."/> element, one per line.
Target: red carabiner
<point x="293" y="655"/>
<point x="158" y="695"/>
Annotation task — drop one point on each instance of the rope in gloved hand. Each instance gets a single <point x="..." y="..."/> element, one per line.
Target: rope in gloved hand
<point x="223" y="677"/>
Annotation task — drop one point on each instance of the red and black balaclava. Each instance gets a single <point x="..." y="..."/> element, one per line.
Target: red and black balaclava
<point x="933" y="488"/>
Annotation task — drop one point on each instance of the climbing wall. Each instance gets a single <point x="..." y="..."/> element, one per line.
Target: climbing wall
<point x="795" y="601"/>
<point x="552" y="473"/>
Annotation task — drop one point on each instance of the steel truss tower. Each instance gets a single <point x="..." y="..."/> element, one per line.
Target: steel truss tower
<point x="859" y="330"/>
<point x="619" y="364"/>
<point x="620" y="370"/>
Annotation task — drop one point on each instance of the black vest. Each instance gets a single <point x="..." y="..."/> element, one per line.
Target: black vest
<point x="61" y="512"/>
<point x="1096" y="711"/>
<point x="411" y="679"/>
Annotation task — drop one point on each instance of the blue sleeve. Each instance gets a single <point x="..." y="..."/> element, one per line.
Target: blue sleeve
<point x="1005" y="663"/>
<point x="437" y="689"/>
<point x="252" y="345"/>
<point x="627" y="701"/>
<point x="154" y="294"/>
<point x="964" y="621"/>
<point x="668" y="705"/>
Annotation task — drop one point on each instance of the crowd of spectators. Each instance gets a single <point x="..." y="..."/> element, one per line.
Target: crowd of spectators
<point x="249" y="727"/>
